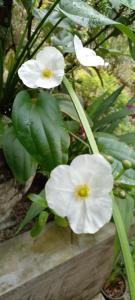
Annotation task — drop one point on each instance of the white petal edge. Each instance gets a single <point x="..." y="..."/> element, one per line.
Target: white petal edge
<point x="29" y="72"/>
<point x="50" y="57"/>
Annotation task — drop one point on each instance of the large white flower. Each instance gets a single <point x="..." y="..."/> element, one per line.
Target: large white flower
<point x="80" y="192"/>
<point x="86" y="56"/>
<point x="46" y="71"/>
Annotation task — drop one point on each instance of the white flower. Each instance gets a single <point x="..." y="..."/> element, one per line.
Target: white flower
<point x="46" y="71"/>
<point x="80" y="192"/>
<point x="86" y="56"/>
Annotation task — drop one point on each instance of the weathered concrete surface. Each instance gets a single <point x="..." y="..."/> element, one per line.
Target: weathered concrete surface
<point x="99" y="297"/>
<point x="57" y="265"/>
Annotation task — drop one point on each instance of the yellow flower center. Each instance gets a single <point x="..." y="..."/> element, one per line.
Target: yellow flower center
<point x="47" y="73"/>
<point x="82" y="191"/>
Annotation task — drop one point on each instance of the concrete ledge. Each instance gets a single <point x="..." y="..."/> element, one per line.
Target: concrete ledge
<point x="57" y="265"/>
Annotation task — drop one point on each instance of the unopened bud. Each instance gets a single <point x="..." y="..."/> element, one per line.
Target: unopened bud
<point x="127" y="164"/>
<point x="109" y="158"/>
<point x="122" y="194"/>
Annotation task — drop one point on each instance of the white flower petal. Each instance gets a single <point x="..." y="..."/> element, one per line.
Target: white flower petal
<point x="49" y="83"/>
<point x="85" y="214"/>
<point x="77" y="44"/>
<point x="99" y="212"/>
<point x="29" y="72"/>
<point x="50" y="58"/>
<point x="88" y="60"/>
<point x="95" y="171"/>
<point x="60" y="189"/>
<point x="87" y="57"/>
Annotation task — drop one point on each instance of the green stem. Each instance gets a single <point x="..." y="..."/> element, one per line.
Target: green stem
<point x="47" y="36"/>
<point x="116" y="213"/>
<point x="82" y="116"/>
<point x="125" y="248"/>
<point x="120" y="174"/>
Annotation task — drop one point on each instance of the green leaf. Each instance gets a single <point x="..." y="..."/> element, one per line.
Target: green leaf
<point x="1" y="131"/>
<point x="116" y="116"/>
<point x="40" y="128"/>
<point x="62" y="222"/>
<point x="126" y="207"/>
<point x="39" y="199"/>
<point x="38" y="205"/>
<point x="110" y="145"/>
<point x="83" y="14"/>
<point x="128" y="3"/>
<point x="102" y="104"/>
<point x="128" y="178"/>
<point x="128" y="138"/>
<point x="37" y="228"/>
<point x="126" y="30"/>
<point x="132" y="48"/>
<point x="67" y="107"/>
<point x="19" y="160"/>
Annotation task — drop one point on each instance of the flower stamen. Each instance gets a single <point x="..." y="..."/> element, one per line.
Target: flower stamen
<point x="47" y="73"/>
<point x="82" y="191"/>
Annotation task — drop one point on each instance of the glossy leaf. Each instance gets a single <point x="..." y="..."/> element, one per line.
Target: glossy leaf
<point x="110" y="145"/>
<point x="83" y="14"/>
<point x="21" y="163"/>
<point x="40" y="128"/>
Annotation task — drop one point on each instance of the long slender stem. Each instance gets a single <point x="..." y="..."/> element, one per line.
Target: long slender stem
<point x="82" y="116"/>
<point x="116" y="213"/>
<point x="125" y="248"/>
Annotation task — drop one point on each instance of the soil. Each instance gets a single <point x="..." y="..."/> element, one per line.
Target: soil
<point x="21" y="208"/>
<point x="116" y="288"/>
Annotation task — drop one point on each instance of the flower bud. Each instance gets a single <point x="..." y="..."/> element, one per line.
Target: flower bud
<point x="109" y="158"/>
<point x="126" y="164"/>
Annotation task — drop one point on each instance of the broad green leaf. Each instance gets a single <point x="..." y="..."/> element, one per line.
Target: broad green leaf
<point x="39" y="13"/>
<point x="40" y="128"/>
<point x="128" y="3"/>
<point x="67" y="107"/>
<point x="65" y="40"/>
<point x="128" y="138"/>
<point x="38" y="205"/>
<point x="110" y="145"/>
<point x="83" y="14"/>
<point x="37" y="228"/>
<point x="19" y="160"/>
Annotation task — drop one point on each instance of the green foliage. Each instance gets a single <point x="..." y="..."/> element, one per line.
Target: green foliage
<point x="83" y="14"/>
<point x="37" y="207"/>
<point x="19" y="160"/>
<point x="39" y="225"/>
<point x="34" y="121"/>
<point x="110" y="145"/>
